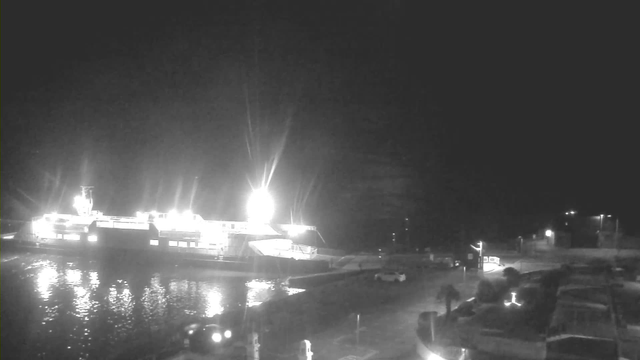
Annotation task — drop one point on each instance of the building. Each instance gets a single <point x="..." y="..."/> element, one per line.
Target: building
<point x="583" y="325"/>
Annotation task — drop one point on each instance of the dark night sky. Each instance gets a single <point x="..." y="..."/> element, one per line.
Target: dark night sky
<point x="370" y="111"/>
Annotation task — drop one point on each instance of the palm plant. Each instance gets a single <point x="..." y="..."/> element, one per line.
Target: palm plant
<point x="449" y="294"/>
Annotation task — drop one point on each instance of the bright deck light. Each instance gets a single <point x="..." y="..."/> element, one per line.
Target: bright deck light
<point x="82" y="205"/>
<point x="294" y="230"/>
<point x="260" y="206"/>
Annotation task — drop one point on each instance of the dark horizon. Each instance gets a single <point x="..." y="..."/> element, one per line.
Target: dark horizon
<point x="367" y="113"/>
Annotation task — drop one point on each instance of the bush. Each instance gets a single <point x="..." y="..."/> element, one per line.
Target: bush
<point x="502" y="288"/>
<point x="512" y="276"/>
<point x="528" y="296"/>
<point x="486" y="292"/>
<point x="491" y="291"/>
<point x="465" y="309"/>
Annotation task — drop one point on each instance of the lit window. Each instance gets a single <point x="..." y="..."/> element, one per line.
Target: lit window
<point x="154" y="242"/>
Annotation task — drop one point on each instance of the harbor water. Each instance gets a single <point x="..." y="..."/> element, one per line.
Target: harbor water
<point x="61" y="307"/>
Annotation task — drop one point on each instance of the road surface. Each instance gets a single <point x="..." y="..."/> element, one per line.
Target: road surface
<point x="389" y="332"/>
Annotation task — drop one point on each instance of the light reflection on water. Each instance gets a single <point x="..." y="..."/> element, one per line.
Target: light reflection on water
<point x="214" y="303"/>
<point x="46" y="276"/>
<point x="91" y="309"/>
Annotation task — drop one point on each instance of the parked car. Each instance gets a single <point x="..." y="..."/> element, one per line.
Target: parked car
<point x="210" y="337"/>
<point x="393" y="276"/>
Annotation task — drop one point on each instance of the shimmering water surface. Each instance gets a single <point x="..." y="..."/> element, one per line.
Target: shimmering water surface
<point x="56" y="307"/>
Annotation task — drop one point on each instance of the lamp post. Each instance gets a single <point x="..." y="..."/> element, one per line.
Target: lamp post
<point x="481" y="256"/>
<point x="406" y="231"/>
<point x="480" y="259"/>
<point x="393" y="243"/>
<point x="615" y="235"/>
<point x="358" y="329"/>
<point x="521" y="244"/>
<point x="550" y="235"/>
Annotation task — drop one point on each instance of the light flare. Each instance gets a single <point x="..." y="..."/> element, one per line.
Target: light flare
<point x="260" y="207"/>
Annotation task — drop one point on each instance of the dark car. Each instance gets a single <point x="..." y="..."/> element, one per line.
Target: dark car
<point x="214" y="339"/>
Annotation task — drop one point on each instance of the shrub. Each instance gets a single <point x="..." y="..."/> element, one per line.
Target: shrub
<point x="512" y="276"/>
<point x="449" y="294"/>
<point x="502" y="288"/>
<point x="486" y="292"/>
<point x="528" y="296"/>
<point x="465" y="309"/>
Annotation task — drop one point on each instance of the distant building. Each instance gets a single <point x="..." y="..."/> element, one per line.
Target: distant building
<point x="575" y="231"/>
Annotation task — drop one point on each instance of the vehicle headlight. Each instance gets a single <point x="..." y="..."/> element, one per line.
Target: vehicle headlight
<point x="227" y="334"/>
<point x="216" y="337"/>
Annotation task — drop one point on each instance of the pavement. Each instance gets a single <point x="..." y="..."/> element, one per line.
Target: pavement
<point x="360" y="262"/>
<point x="389" y="332"/>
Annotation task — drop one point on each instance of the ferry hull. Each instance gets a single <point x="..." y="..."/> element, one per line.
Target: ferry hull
<point x="135" y="245"/>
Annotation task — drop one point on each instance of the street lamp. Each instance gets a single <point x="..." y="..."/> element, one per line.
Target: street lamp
<point x="260" y="207"/>
<point x="550" y="237"/>
<point x="479" y="250"/>
<point x="406" y="232"/>
<point x="615" y="235"/>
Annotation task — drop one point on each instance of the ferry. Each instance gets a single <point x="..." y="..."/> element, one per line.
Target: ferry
<point x="184" y="236"/>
